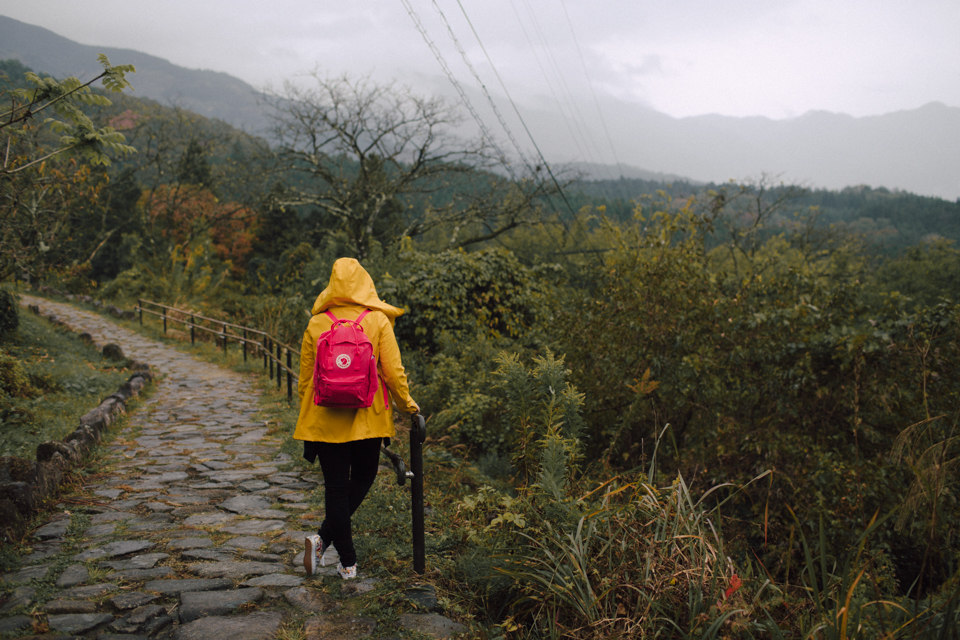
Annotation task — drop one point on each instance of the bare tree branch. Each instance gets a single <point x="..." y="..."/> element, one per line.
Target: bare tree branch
<point x="372" y="152"/>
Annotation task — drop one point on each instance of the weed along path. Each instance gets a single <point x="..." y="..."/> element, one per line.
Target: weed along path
<point x="198" y="529"/>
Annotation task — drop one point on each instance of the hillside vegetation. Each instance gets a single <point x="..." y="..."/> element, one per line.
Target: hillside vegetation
<point x="727" y="411"/>
<point x="48" y="379"/>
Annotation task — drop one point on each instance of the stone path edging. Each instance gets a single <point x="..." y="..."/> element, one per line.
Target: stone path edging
<point x="24" y="484"/>
<point x="200" y="535"/>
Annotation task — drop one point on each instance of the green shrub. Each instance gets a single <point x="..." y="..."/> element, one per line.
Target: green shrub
<point x="542" y="413"/>
<point x="9" y="313"/>
<point x="135" y="282"/>
<point x="462" y="294"/>
<point x="783" y="368"/>
<point x="455" y="387"/>
<point x="14" y="380"/>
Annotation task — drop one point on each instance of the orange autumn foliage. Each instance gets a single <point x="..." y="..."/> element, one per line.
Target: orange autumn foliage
<point x="185" y="213"/>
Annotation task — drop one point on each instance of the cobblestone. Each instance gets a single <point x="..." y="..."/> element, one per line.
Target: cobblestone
<point x="185" y="532"/>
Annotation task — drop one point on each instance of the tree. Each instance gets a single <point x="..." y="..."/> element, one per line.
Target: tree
<point x="65" y="99"/>
<point x="193" y="167"/>
<point x="36" y="194"/>
<point x="926" y="272"/>
<point x="366" y="153"/>
<point x="184" y="159"/>
<point x="181" y="215"/>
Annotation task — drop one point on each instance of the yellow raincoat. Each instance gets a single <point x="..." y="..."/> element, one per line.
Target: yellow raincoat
<point x="350" y="291"/>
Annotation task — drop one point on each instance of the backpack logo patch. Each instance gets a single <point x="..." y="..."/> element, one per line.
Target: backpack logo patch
<point x="343" y="361"/>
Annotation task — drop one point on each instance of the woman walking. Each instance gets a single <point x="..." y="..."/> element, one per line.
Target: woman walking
<point x="347" y="441"/>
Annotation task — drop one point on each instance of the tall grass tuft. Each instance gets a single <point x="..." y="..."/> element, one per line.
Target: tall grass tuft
<point x="639" y="561"/>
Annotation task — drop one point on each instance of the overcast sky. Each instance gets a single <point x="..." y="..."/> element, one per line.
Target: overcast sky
<point x="777" y="58"/>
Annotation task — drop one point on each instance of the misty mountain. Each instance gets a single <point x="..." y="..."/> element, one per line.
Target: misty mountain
<point x="914" y="150"/>
<point x="209" y="93"/>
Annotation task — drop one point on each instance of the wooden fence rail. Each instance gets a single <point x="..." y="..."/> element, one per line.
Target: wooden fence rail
<point x="273" y="352"/>
<point x="261" y="343"/>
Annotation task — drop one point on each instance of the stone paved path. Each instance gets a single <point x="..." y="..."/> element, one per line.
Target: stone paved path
<point x="200" y="535"/>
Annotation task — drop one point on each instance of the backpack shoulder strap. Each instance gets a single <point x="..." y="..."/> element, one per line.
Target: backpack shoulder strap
<point x="332" y="317"/>
<point x="362" y="316"/>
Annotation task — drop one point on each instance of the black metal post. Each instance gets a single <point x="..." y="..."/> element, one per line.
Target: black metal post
<point x="164" y="321"/>
<point x="289" y="377"/>
<point x="223" y="332"/>
<point x="418" y="433"/>
<point x="193" y="322"/>
<point x="270" y="356"/>
<point x="263" y="348"/>
<point x="244" y="345"/>
<point x="279" y="370"/>
<point x="140" y="308"/>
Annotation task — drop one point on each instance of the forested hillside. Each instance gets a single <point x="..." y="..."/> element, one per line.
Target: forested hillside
<point x="209" y="93"/>
<point x="888" y="221"/>
<point x="677" y="410"/>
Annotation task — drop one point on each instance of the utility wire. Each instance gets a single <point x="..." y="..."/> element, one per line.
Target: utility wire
<point x="440" y="59"/>
<point x="590" y="84"/>
<point x="483" y="87"/>
<point x="484" y="132"/>
<point x="493" y="105"/>
<point x="546" y="77"/>
<point x="466" y="101"/>
<point x="543" y="160"/>
<point x="565" y="88"/>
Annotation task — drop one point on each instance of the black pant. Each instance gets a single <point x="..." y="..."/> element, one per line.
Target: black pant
<point x="349" y="469"/>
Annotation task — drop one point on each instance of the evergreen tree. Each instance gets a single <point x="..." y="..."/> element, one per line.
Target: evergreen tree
<point x="193" y="167"/>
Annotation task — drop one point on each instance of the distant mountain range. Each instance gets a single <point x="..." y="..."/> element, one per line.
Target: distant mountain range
<point x="209" y="93"/>
<point x="916" y="150"/>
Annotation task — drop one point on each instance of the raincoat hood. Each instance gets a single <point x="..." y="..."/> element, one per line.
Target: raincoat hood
<point x="350" y="284"/>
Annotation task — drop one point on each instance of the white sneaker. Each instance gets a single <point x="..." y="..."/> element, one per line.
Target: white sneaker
<point x="347" y="573"/>
<point x="312" y="553"/>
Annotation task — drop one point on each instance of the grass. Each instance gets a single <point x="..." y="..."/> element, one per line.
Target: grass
<point x="641" y="560"/>
<point x="382" y="524"/>
<point x="61" y="379"/>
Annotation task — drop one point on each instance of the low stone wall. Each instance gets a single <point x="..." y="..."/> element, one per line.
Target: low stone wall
<point x="25" y="484"/>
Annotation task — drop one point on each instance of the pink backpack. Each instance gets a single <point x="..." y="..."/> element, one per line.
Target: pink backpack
<point x="345" y="371"/>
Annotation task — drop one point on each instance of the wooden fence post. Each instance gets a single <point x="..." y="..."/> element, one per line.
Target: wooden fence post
<point x="418" y="434"/>
<point x="289" y="376"/>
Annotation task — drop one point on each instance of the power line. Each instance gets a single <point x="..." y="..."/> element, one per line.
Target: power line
<point x="456" y="85"/>
<point x="466" y="101"/>
<point x="546" y="77"/>
<point x="590" y="84"/>
<point x="565" y="88"/>
<point x="545" y="164"/>
<point x="493" y="105"/>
